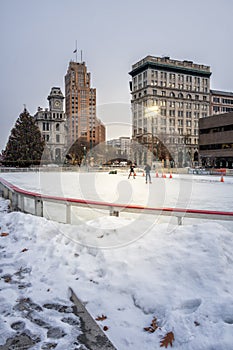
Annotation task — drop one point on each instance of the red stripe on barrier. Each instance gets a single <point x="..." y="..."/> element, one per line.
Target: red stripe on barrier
<point x="115" y="205"/>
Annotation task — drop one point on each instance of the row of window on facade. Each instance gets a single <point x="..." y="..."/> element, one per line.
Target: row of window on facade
<point x="172" y="76"/>
<point x="46" y="127"/>
<point x="170" y="122"/>
<point x="46" y="138"/>
<point x="226" y="101"/>
<point x="173" y="104"/>
<point x="217" y="146"/>
<point x="182" y="114"/>
<point x="171" y="86"/>
<point x="173" y="113"/>
<point x="182" y="105"/>
<point x="180" y="131"/>
<point x="173" y="95"/>
<point x="54" y="115"/>
<point x="222" y="109"/>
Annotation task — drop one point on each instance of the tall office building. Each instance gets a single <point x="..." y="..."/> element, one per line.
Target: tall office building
<point x="80" y="104"/>
<point x="168" y="98"/>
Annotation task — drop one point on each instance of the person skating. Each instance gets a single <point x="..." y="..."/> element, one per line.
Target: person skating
<point x="147" y="170"/>
<point x="132" y="171"/>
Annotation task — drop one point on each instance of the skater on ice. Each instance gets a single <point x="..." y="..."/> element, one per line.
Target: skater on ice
<point x="132" y="171"/>
<point x="147" y="170"/>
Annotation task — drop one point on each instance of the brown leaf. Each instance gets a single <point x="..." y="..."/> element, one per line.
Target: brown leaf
<point x="152" y="327"/>
<point x="4" y="234"/>
<point x="7" y="279"/>
<point x="154" y="323"/>
<point x="167" y="339"/>
<point x="149" y="329"/>
<point x="24" y="250"/>
<point x="105" y="328"/>
<point x="101" y="318"/>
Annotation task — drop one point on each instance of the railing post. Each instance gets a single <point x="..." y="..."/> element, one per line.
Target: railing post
<point x="180" y="220"/>
<point x="113" y="212"/>
<point x="5" y="193"/>
<point x="39" y="207"/>
<point x="14" y="202"/>
<point x="68" y="213"/>
<point x="1" y="190"/>
<point x="22" y="203"/>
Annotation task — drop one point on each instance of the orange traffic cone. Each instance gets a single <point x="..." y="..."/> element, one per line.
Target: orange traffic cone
<point x="156" y="175"/>
<point x="222" y="179"/>
<point x="164" y="176"/>
<point x="170" y="177"/>
<point x="143" y="174"/>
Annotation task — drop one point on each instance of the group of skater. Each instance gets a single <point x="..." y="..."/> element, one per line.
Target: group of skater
<point x="147" y="171"/>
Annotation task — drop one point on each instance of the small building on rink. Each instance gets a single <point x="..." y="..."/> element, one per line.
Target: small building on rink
<point x="216" y="141"/>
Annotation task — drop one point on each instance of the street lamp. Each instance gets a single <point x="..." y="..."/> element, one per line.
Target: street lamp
<point x="150" y="112"/>
<point x="157" y="150"/>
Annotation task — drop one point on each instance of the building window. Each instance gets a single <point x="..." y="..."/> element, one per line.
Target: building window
<point x="172" y="113"/>
<point x="45" y="126"/>
<point x="216" y="109"/>
<point x="57" y="138"/>
<point x="172" y="103"/>
<point x="180" y="113"/>
<point x="57" y="127"/>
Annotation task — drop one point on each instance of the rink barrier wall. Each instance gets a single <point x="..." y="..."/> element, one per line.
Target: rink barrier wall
<point x="17" y="198"/>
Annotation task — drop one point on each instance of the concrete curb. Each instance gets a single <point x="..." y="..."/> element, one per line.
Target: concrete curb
<point x="92" y="335"/>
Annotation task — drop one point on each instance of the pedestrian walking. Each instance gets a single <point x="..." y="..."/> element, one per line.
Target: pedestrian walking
<point x="147" y="170"/>
<point x="132" y="171"/>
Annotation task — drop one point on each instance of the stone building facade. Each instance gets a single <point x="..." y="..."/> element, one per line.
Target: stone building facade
<point x="51" y="122"/>
<point x="168" y="99"/>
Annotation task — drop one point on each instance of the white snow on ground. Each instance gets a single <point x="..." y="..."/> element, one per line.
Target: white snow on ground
<point x="181" y="276"/>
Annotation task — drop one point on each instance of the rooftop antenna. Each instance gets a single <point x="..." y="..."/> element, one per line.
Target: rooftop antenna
<point x="81" y="56"/>
<point x="75" y="51"/>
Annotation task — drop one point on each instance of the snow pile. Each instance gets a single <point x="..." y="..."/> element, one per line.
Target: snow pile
<point x="181" y="277"/>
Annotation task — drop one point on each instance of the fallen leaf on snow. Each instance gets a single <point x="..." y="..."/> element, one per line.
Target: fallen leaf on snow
<point x="167" y="339"/>
<point x="101" y="318"/>
<point x="24" y="250"/>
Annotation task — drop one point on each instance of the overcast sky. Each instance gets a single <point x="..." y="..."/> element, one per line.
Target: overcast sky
<point x="38" y="40"/>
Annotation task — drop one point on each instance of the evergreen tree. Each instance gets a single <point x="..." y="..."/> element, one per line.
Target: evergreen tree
<point x="25" y="145"/>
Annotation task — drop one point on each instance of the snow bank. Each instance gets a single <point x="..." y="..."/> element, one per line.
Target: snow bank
<point x="182" y="277"/>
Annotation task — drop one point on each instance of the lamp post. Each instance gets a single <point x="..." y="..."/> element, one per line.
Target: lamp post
<point x="157" y="150"/>
<point x="84" y="154"/>
<point x="150" y="112"/>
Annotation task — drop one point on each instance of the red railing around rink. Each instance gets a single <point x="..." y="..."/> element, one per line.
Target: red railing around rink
<point x="17" y="195"/>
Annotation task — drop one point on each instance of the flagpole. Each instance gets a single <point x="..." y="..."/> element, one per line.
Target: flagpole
<point x="81" y="56"/>
<point x="76" y="55"/>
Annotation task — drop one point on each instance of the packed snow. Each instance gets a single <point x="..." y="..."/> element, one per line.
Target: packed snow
<point x="132" y="269"/>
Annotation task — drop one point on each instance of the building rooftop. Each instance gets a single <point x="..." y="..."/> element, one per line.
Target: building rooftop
<point x="223" y="93"/>
<point x="172" y="64"/>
